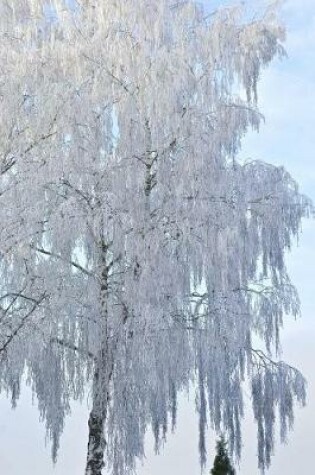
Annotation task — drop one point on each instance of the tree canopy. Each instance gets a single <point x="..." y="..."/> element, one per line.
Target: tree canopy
<point x="137" y="252"/>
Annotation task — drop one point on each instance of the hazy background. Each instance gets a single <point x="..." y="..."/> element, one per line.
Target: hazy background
<point x="287" y="99"/>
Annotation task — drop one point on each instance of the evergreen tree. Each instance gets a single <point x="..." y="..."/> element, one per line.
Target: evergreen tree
<point x="222" y="464"/>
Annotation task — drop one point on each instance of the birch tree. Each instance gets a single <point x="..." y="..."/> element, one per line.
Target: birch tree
<point x="137" y="253"/>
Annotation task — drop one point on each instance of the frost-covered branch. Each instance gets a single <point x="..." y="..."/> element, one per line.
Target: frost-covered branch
<point x="57" y="256"/>
<point x="21" y="324"/>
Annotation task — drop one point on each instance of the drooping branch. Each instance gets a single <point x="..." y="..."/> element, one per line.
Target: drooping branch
<point x="71" y="346"/>
<point x="59" y="257"/>
<point x="24" y="320"/>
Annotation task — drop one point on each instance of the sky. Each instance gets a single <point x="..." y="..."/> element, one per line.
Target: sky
<point x="287" y="99"/>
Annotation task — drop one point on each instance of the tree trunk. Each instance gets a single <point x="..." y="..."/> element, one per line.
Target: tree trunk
<point x="101" y="381"/>
<point x="96" y="444"/>
<point x="98" y="414"/>
<point x="150" y="159"/>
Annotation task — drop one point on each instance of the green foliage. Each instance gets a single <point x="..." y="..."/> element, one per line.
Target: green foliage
<point x="222" y="464"/>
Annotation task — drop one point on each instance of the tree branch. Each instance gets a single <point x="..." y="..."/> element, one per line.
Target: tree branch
<point x="72" y="346"/>
<point x="58" y="256"/>
<point x="21" y="324"/>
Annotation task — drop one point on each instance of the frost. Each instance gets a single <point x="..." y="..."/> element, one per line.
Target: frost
<point x="137" y="253"/>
